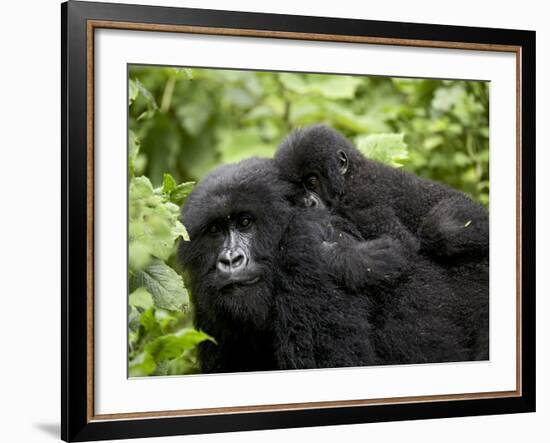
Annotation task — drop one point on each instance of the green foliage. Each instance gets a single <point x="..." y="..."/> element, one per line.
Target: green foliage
<point x="161" y="338"/>
<point x="191" y="120"/>
<point x="185" y="122"/>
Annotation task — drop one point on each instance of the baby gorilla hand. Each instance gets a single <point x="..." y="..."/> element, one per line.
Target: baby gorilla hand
<point x="333" y="237"/>
<point x="358" y="264"/>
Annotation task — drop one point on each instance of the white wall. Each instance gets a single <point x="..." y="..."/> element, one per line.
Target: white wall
<point x="29" y="218"/>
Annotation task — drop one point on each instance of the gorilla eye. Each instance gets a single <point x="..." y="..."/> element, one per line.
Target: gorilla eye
<point x="311" y="182"/>
<point x="213" y="229"/>
<point x="245" y="221"/>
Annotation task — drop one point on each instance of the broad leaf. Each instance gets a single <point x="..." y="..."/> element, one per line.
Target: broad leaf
<point x="140" y="188"/>
<point x="140" y="298"/>
<point x="142" y="365"/>
<point x="386" y="148"/>
<point x="164" y="284"/>
<point x="172" y="346"/>
<point x="181" y="192"/>
<point x="168" y="184"/>
<point x="133" y="91"/>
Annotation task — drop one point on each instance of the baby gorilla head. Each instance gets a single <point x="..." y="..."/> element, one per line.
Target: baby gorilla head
<point x="316" y="160"/>
<point x="234" y="217"/>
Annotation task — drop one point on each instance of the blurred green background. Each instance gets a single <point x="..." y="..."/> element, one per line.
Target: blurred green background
<point x="185" y="122"/>
<point x="191" y="120"/>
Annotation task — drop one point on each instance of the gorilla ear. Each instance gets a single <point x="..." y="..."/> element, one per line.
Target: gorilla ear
<point x="342" y="162"/>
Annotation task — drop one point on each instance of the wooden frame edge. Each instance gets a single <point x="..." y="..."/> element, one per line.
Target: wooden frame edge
<point x="258" y="33"/>
<point x="303" y="406"/>
<point x="90" y="206"/>
<point x="519" y="219"/>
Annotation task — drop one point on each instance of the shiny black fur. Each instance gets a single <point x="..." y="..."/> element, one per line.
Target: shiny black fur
<point x="325" y="298"/>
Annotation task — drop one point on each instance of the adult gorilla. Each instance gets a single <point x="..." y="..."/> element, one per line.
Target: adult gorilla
<point x="281" y="287"/>
<point x="257" y="280"/>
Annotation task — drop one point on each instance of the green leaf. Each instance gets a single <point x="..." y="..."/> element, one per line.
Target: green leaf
<point x="461" y="159"/>
<point x="193" y="117"/>
<point x="172" y="346"/>
<point x="133" y="323"/>
<point x="186" y="364"/>
<point x="329" y="86"/>
<point x="181" y="192"/>
<point x="153" y="222"/>
<point x="150" y="324"/>
<point x="133" y="150"/>
<point x="188" y="73"/>
<point x="140" y="188"/>
<point x="150" y="100"/>
<point x="167" y="320"/>
<point x="168" y="184"/>
<point x="133" y="91"/>
<point x="386" y="148"/>
<point x="244" y="143"/>
<point x="140" y="298"/>
<point x="139" y="254"/>
<point x="142" y="365"/>
<point x="342" y="117"/>
<point x="433" y="142"/>
<point x="164" y="284"/>
<point x="180" y="231"/>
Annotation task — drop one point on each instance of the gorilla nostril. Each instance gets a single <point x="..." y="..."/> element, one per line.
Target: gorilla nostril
<point x="224" y="261"/>
<point x="237" y="261"/>
<point x="230" y="260"/>
<point x="310" y="202"/>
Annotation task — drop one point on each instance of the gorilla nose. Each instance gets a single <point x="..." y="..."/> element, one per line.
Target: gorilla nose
<point x="231" y="260"/>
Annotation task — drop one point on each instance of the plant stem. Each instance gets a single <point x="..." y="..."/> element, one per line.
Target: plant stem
<point x="167" y="95"/>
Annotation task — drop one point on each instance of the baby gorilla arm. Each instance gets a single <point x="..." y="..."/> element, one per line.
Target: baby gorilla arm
<point x="365" y="264"/>
<point x="379" y="221"/>
<point x="455" y="227"/>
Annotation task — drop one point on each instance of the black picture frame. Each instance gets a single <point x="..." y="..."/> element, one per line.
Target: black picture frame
<point x="77" y="424"/>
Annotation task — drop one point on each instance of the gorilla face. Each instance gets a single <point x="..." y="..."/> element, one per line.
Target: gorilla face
<point x="235" y="265"/>
<point x="315" y="160"/>
<point x="235" y="218"/>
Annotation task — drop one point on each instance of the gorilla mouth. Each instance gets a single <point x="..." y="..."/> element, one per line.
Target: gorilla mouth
<point x="235" y="282"/>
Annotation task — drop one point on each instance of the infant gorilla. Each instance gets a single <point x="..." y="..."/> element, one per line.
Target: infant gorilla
<point x="283" y="287"/>
<point x="379" y="200"/>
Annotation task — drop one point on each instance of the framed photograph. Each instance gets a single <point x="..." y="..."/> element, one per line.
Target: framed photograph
<point x="275" y="221"/>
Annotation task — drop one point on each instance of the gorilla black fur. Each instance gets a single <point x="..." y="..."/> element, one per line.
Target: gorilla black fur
<point x="282" y="287"/>
<point x="379" y="200"/>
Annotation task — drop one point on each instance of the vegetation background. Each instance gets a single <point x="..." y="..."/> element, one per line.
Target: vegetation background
<point x="185" y="122"/>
